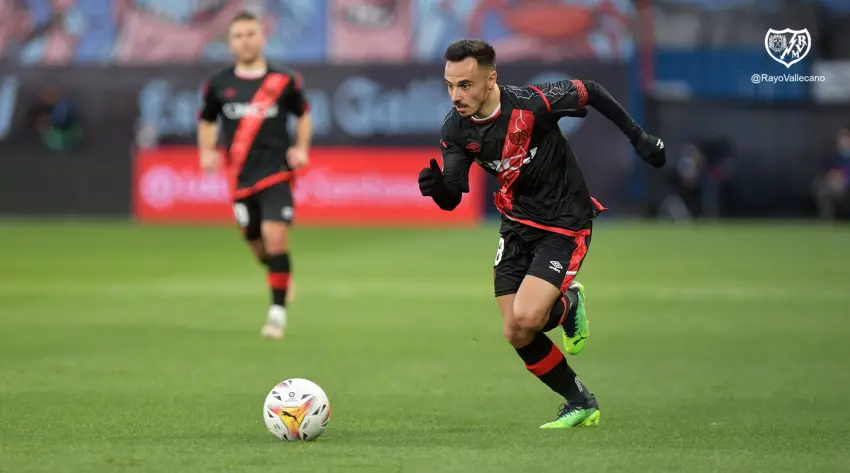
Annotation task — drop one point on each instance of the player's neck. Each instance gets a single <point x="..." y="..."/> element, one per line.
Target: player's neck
<point x="251" y="70"/>
<point x="491" y="105"/>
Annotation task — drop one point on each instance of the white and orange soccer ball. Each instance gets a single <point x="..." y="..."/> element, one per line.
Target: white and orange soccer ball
<point x="297" y="409"/>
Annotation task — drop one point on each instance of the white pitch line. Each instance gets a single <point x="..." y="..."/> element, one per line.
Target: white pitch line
<point x="396" y="289"/>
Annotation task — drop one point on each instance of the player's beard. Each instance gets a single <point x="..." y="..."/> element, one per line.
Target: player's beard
<point x="477" y="113"/>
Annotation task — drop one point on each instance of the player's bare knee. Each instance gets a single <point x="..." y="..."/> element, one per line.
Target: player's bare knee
<point x="516" y="335"/>
<point x="275" y="238"/>
<point x="529" y="317"/>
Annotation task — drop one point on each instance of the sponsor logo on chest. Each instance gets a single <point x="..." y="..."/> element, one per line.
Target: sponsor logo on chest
<point x="511" y="163"/>
<point x="236" y="110"/>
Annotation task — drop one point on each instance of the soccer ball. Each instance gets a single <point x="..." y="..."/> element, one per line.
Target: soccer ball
<point x="297" y="409"/>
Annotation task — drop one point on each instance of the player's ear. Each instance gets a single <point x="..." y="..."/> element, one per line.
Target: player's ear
<point x="491" y="79"/>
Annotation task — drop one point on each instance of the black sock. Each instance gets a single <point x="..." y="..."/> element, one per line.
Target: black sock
<point x="544" y="360"/>
<point x="279" y="277"/>
<point x="564" y="306"/>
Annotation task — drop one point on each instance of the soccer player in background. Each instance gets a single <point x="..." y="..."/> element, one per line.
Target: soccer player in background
<point x="547" y="211"/>
<point x="253" y="100"/>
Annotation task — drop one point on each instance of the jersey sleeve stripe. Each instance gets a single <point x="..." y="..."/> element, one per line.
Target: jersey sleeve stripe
<point x="582" y="92"/>
<point x="545" y="100"/>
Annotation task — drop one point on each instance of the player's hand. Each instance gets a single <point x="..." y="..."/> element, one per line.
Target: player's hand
<point x="297" y="157"/>
<point x="431" y="179"/>
<point x="650" y="149"/>
<point x="210" y="160"/>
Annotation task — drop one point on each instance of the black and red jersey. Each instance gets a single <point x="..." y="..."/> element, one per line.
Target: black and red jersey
<point x="254" y="112"/>
<point x="521" y="145"/>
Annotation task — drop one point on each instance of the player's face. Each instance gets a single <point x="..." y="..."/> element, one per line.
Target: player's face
<point x="246" y="40"/>
<point x="469" y="85"/>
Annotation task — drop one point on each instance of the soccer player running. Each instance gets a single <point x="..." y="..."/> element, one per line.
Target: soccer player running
<point x="253" y="100"/>
<point x="547" y="211"/>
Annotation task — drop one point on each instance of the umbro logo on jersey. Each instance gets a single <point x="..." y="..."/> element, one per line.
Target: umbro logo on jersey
<point x="555" y="266"/>
<point x="660" y="144"/>
<point x="473" y="147"/>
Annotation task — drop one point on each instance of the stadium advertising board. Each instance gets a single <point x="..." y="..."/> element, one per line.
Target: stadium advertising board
<point x="341" y="186"/>
<point x="122" y="108"/>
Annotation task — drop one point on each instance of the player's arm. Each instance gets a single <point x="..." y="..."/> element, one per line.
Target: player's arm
<point x="208" y="130"/>
<point x="567" y="98"/>
<point x="296" y="103"/>
<point x="446" y="186"/>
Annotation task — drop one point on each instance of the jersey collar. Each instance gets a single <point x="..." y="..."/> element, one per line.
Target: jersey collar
<point x="491" y="117"/>
<point x="250" y="73"/>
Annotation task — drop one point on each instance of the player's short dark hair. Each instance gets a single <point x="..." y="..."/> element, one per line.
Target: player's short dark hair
<point x="244" y="15"/>
<point x="461" y="49"/>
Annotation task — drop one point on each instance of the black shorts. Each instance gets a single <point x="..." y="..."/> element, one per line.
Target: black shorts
<point x="551" y="256"/>
<point x="270" y="204"/>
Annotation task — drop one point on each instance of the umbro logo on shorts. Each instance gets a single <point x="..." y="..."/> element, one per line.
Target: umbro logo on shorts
<point x="555" y="266"/>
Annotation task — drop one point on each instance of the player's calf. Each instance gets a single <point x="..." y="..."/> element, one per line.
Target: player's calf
<point x="258" y="249"/>
<point x="275" y="241"/>
<point x="540" y="355"/>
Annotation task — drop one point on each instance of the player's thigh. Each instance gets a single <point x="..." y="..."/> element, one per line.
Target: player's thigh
<point x="558" y="258"/>
<point x="511" y="264"/>
<point x="247" y="214"/>
<point x="277" y="212"/>
<point x="534" y="301"/>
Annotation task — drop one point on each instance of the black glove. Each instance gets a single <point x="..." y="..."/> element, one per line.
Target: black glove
<point x="650" y="149"/>
<point x="431" y="181"/>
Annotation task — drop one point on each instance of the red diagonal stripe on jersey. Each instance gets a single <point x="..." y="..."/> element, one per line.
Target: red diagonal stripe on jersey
<point x="266" y="96"/>
<point x="514" y="153"/>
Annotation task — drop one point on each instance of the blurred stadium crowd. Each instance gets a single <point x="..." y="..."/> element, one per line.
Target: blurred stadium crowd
<point x="98" y="98"/>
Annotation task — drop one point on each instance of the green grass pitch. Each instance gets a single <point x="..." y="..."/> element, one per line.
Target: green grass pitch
<point x="712" y="348"/>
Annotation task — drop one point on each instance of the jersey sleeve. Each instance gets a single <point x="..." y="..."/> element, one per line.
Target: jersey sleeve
<point x="560" y="99"/>
<point x="456" y="163"/>
<point x="566" y="98"/>
<point x="211" y="106"/>
<point x="295" y="99"/>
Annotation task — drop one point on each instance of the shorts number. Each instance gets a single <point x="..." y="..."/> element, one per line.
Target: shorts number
<point x="499" y="251"/>
<point x="240" y="211"/>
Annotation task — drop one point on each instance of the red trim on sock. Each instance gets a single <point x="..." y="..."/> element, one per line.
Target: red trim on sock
<point x="547" y="363"/>
<point x="279" y="280"/>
